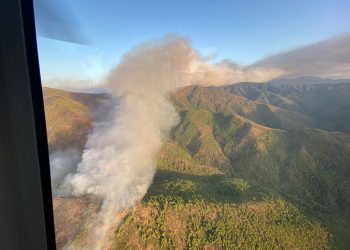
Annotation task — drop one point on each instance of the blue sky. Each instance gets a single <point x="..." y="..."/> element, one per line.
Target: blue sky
<point x="243" y="31"/>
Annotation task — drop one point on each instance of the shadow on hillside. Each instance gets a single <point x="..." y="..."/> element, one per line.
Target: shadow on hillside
<point x="213" y="188"/>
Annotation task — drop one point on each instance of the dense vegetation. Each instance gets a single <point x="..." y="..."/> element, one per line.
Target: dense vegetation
<point x="168" y="222"/>
<point x="257" y="166"/>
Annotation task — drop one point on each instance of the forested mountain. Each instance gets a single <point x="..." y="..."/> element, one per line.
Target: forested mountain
<point x="248" y="166"/>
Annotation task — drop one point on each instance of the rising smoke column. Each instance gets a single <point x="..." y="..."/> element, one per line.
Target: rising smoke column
<point x="118" y="161"/>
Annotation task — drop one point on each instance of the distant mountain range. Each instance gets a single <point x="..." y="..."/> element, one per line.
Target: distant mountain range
<point x="250" y="165"/>
<point x="304" y="80"/>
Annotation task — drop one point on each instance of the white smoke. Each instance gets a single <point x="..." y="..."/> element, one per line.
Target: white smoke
<point x="62" y="162"/>
<point x="228" y="72"/>
<point x="118" y="161"/>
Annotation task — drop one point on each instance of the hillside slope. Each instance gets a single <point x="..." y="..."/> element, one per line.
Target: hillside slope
<point x="248" y="166"/>
<point x="69" y="117"/>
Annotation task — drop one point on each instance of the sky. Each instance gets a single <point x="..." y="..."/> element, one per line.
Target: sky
<point x="244" y="31"/>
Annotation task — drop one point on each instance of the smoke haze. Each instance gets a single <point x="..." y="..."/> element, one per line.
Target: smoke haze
<point x="62" y="162"/>
<point x="327" y="58"/>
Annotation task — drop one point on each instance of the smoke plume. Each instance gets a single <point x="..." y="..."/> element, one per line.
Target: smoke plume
<point x="118" y="161"/>
<point x="62" y="162"/>
<point x="228" y="72"/>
